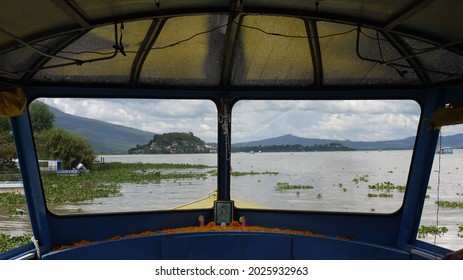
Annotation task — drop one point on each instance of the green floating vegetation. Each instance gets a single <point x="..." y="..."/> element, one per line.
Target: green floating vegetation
<point x="104" y="179"/>
<point x="281" y="187"/>
<point x="237" y="173"/>
<point x="319" y="196"/>
<point x="449" y="204"/>
<point x="423" y="231"/>
<point x="10" y="201"/>
<point x="383" y="195"/>
<point x="360" y="178"/>
<point x="116" y="172"/>
<point x="63" y="192"/>
<point x="8" y="242"/>
<point x="386" y="186"/>
<point x="146" y="166"/>
<point x="460" y="231"/>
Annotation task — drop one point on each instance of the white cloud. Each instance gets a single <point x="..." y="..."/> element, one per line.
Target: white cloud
<point x="157" y="116"/>
<point x="356" y="120"/>
<point x="368" y="126"/>
<point x="452" y="129"/>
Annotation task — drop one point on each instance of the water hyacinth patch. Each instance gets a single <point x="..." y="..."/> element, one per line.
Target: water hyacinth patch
<point x="11" y="201"/>
<point x="360" y="178"/>
<point x="382" y="195"/>
<point x="8" y="242"/>
<point x="449" y="204"/>
<point x="104" y="179"/>
<point x="423" y="231"/>
<point x="281" y="187"/>
<point x="386" y="186"/>
<point x="237" y="173"/>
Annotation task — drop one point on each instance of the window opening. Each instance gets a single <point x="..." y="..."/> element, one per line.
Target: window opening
<point x="314" y="155"/>
<point x="113" y="155"/>
<point x="441" y="222"/>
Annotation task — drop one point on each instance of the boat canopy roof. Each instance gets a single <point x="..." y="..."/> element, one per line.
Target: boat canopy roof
<point x="225" y="45"/>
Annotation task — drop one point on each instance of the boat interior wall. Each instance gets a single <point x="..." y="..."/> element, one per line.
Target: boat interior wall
<point x="230" y="246"/>
<point x="70" y="229"/>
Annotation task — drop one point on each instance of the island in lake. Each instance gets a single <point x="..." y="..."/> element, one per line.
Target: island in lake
<point x="187" y="143"/>
<point x="174" y="143"/>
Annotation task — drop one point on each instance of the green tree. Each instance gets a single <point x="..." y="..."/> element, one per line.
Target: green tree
<point x="7" y="148"/>
<point x="7" y="153"/>
<point x="71" y="149"/>
<point x="41" y="117"/>
<point x="5" y="124"/>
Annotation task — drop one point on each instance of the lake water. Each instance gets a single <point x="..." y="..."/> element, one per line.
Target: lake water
<point x="333" y="182"/>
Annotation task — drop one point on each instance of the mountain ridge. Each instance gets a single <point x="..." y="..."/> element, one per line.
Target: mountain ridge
<point x="107" y="138"/>
<point x="454" y="141"/>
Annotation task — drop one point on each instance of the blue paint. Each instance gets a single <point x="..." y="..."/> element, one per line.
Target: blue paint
<point x="230" y="246"/>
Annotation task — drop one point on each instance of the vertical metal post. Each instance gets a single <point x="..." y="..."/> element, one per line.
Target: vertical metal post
<point x="224" y="149"/>
<point x="31" y="179"/>
<point x="420" y="171"/>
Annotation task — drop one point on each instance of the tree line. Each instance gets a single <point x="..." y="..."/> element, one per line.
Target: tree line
<point x="294" y="148"/>
<point x="51" y="143"/>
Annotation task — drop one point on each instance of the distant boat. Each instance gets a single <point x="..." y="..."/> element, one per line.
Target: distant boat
<point x="445" y="150"/>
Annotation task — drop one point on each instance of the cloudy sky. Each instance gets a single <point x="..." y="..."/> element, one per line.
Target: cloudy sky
<point x="256" y="120"/>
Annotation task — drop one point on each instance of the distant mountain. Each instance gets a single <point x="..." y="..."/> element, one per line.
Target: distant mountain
<point x="287" y="139"/>
<point x="105" y="137"/>
<point x="402" y="144"/>
<point x="455" y="141"/>
<point x="110" y="138"/>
